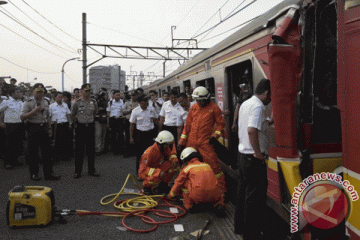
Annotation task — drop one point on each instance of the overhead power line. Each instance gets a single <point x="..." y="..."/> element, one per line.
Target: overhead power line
<point x="99" y="26"/>
<point x="28" y="68"/>
<point x="225" y="19"/>
<point x="24" y="26"/>
<point x="51" y="22"/>
<point x="32" y="42"/>
<point x="228" y="30"/>
<point x="42" y="27"/>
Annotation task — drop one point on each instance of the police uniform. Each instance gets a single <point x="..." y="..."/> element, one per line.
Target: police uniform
<point x="84" y="112"/>
<point x="38" y="136"/>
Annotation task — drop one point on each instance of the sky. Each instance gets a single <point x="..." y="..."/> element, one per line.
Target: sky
<point x="38" y="36"/>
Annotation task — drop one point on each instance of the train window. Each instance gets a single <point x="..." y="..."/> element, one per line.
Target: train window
<point x="177" y="89"/>
<point x="209" y="84"/>
<point x="186" y="84"/>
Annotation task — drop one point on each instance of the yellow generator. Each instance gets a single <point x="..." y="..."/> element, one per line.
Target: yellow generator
<point x="30" y="206"/>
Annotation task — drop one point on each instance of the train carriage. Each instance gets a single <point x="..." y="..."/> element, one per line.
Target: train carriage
<point x="310" y="52"/>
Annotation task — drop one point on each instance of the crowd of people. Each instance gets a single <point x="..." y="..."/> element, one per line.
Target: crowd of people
<point x="171" y="137"/>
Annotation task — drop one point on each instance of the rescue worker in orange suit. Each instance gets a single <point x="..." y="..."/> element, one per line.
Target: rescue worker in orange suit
<point x="199" y="128"/>
<point x="197" y="182"/>
<point x="159" y="164"/>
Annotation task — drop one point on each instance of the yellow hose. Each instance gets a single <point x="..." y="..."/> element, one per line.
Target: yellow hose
<point x="131" y="204"/>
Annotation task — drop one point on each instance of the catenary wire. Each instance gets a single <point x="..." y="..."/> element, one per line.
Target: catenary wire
<point x="23" y="25"/>
<point x="32" y="42"/>
<point x="27" y="68"/>
<point x="74" y="50"/>
<point x="51" y="22"/>
<point x="99" y="26"/>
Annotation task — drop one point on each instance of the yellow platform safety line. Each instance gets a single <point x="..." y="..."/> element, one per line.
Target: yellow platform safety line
<point x="131" y="204"/>
<point x="291" y="171"/>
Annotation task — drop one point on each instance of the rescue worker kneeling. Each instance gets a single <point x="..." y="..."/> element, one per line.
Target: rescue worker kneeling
<point x="197" y="182"/>
<point x="159" y="164"/>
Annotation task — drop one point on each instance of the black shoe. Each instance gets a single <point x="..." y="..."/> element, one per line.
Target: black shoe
<point x="9" y="166"/>
<point x="52" y="177"/>
<point x="98" y="153"/>
<point x="77" y="175"/>
<point x="35" y="177"/>
<point x="94" y="174"/>
<point x="147" y="191"/>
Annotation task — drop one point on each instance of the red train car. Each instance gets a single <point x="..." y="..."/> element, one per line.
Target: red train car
<point x="310" y="52"/>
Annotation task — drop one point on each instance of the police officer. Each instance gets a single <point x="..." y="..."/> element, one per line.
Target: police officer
<point x="83" y="112"/>
<point x="36" y="111"/>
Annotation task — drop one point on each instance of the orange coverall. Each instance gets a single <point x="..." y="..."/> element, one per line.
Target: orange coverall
<point x="198" y="184"/>
<point x="153" y="162"/>
<point x="198" y="129"/>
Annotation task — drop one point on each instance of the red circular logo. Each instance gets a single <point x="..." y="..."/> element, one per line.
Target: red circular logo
<point x="325" y="206"/>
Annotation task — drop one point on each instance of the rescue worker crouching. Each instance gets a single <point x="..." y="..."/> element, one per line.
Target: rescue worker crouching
<point x="159" y="164"/>
<point x="198" y="183"/>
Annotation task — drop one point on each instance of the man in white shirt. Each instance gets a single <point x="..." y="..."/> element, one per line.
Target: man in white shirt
<point x="253" y="145"/>
<point x="14" y="128"/>
<point x="170" y="115"/>
<point x="61" y="125"/>
<point x="116" y="123"/>
<point x="143" y="118"/>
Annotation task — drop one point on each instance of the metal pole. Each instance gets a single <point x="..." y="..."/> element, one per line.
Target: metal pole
<point x="164" y="69"/>
<point x="84" y="46"/>
<point x="62" y="71"/>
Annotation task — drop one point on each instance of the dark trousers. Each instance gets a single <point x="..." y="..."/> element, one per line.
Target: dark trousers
<point x="2" y="142"/>
<point x="61" y="138"/>
<point x="38" y="137"/>
<point x="251" y="197"/>
<point x="128" y="147"/>
<point x="173" y="130"/>
<point x="143" y="140"/>
<point x="14" y="142"/>
<point x="117" y="134"/>
<point x="85" y="139"/>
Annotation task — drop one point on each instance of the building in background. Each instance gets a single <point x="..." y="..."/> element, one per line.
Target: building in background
<point x="109" y="77"/>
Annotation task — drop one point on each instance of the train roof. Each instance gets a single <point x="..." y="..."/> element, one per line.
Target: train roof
<point x="253" y="27"/>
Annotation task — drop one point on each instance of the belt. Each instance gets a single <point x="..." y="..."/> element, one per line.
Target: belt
<point x="86" y="124"/>
<point x="116" y="117"/>
<point x="62" y="123"/>
<point x="36" y="124"/>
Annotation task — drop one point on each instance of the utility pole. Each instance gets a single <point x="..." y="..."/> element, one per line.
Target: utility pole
<point x="84" y="46"/>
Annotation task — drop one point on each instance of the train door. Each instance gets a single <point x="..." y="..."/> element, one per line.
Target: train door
<point x="239" y="84"/>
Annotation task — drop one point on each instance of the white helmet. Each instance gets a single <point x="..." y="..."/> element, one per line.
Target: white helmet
<point x="164" y="137"/>
<point x="186" y="152"/>
<point x="201" y="93"/>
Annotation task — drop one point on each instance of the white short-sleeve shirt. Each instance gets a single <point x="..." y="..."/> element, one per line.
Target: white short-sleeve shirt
<point x="12" y="110"/>
<point x="115" y="108"/>
<point x="58" y="112"/>
<point x="172" y="113"/>
<point x="144" y="119"/>
<point x="252" y="114"/>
